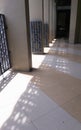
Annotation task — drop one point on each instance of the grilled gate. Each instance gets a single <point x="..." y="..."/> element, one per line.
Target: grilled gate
<point x="4" y="53"/>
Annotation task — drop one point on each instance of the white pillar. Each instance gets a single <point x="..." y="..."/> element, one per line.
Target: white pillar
<point x="73" y="18"/>
<point x="35" y="7"/>
<point x="51" y="21"/>
<point x="36" y="14"/>
<point x="46" y="9"/>
<point x="17" y="17"/>
<point x="78" y="24"/>
<point x="54" y="19"/>
<point x="46" y="22"/>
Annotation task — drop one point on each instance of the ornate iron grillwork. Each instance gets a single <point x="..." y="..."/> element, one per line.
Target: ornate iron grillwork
<point x="36" y="36"/>
<point x="4" y="54"/>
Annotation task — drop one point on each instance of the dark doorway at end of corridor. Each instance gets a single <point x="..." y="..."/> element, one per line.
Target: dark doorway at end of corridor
<point x="63" y="10"/>
<point x="63" y="23"/>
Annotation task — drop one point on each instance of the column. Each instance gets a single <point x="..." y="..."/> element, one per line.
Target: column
<point x="36" y="25"/>
<point x="54" y="19"/>
<point x="51" y="21"/>
<point x="17" y="18"/>
<point x="73" y="19"/>
<point x="46" y="22"/>
<point x="78" y="24"/>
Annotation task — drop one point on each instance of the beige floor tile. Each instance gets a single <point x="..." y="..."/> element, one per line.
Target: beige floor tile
<point x="55" y="78"/>
<point x="65" y="44"/>
<point x="57" y="85"/>
<point x="62" y="88"/>
<point x="59" y="94"/>
<point x="65" y="55"/>
<point x="74" y="107"/>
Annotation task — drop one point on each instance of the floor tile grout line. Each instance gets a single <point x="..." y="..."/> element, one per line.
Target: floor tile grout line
<point x="66" y="47"/>
<point x="66" y="52"/>
<point x="34" y="125"/>
<point x="70" y="100"/>
<point x="65" y="56"/>
<point x="64" y="72"/>
<point x="70" y="113"/>
<point x="50" y="111"/>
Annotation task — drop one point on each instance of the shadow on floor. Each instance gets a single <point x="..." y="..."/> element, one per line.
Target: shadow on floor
<point x="5" y="80"/>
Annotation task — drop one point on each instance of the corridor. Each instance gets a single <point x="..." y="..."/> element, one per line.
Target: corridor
<point x="49" y="97"/>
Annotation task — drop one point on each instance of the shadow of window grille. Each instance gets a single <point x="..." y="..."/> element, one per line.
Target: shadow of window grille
<point x="5" y="80"/>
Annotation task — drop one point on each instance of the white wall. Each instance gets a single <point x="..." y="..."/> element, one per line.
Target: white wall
<point x="35" y="10"/>
<point x="14" y="11"/>
<point x="73" y="18"/>
<point x="51" y="20"/>
<point x="54" y="19"/>
<point x="46" y="9"/>
<point x="52" y="23"/>
<point x="36" y="14"/>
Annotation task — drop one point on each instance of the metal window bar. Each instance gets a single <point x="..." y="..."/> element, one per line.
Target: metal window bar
<point x="4" y="53"/>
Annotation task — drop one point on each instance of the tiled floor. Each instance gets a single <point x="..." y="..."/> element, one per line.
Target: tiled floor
<point x="49" y="97"/>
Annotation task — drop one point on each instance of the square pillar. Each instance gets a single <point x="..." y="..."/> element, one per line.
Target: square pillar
<point x="52" y="19"/>
<point x="17" y="17"/>
<point x="73" y="19"/>
<point x="78" y="24"/>
<point x="46" y="23"/>
<point x="36" y="25"/>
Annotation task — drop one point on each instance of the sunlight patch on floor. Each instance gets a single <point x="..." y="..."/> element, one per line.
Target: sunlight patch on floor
<point x="5" y="74"/>
<point x="46" y="49"/>
<point x="11" y="94"/>
<point x="37" y="60"/>
<point x="50" y="44"/>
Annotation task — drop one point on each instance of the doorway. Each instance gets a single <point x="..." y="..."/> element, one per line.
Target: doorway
<point x="63" y="23"/>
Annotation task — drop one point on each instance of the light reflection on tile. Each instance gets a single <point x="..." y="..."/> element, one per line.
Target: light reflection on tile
<point x="33" y="110"/>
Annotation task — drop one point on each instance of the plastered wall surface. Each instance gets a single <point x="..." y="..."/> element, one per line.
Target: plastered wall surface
<point x="15" y="14"/>
<point x="73" y="17"/>
<point x="52" y="23"/>
<point x="35" y="10"/>
<point x="46" y="9"/>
